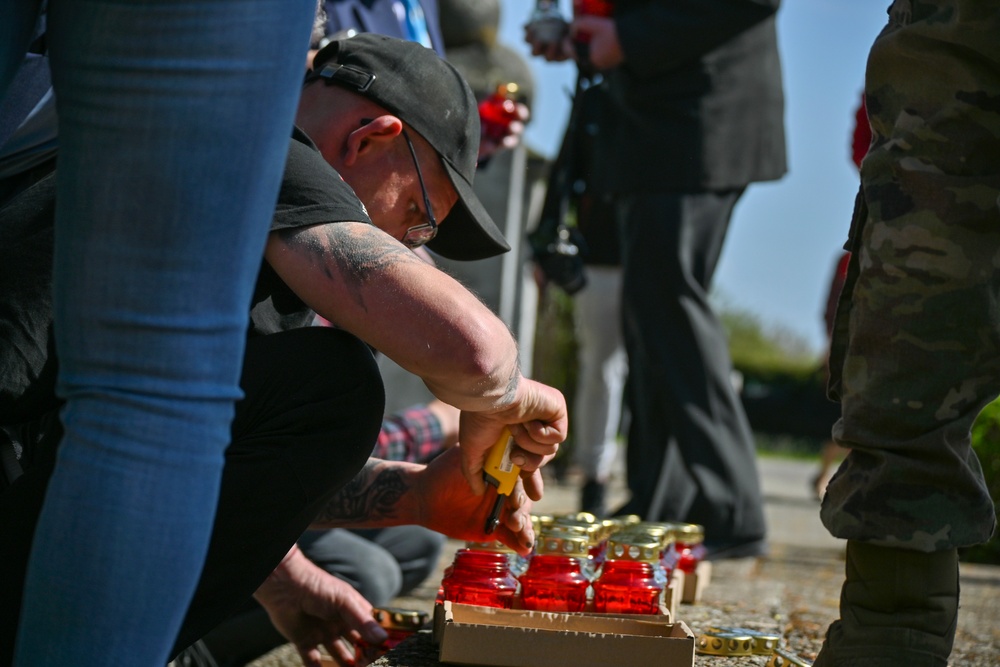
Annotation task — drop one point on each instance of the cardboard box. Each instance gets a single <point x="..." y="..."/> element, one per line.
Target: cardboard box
<point x="694" y="584"/>
<point x="673" y="594"/>
<point x="469" y="635"/>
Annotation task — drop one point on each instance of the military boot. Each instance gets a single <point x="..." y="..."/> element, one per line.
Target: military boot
<point x="897" y="607"/>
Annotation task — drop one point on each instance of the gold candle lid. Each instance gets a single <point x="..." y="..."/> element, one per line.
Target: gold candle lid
<point x="688" y="533"/>
<point x="394" y="618"/>
<point x="661" y="531"/>
<point x="508" y="89"/>
<point x="593" y="531"/>
<point x="724" y="643"/>
<point x="494" y="546"/>
<point x="764" y="643"/>
<point x="562" y="543"/>
<point x="783" y="658"/>
<point x="633" y="547"/>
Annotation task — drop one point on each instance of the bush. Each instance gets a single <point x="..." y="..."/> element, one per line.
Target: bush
<point x="986" y="443"/>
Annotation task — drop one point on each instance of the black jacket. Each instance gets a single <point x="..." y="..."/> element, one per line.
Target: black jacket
<point x="698" y="100"/>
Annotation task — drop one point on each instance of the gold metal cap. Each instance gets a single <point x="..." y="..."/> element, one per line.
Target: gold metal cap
<point x="562" y="543"/>
<point x="783" y="658"/>
<point x="724" y="643"/>
<point x="633" y="547"/>
<point x="764" y="643"/>
<point x="495" y="545"/>
<point x="394" y="618"/>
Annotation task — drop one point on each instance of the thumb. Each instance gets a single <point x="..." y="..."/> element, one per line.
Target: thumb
<point x="358" y="615"/>
<point x="473" y="464"/>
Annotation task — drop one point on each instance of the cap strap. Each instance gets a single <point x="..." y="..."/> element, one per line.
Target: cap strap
<point x="348" y="75"/>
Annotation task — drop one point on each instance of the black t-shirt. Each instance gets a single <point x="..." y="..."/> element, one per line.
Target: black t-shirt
<point x="311" y="193"/>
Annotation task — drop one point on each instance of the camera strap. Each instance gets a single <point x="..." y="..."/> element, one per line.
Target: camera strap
<point x="555" y="207"/>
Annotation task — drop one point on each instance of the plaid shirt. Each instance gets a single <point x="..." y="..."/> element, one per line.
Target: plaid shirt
<point x="414" y="435"/>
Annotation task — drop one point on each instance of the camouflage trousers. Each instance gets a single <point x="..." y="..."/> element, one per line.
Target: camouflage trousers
<point x="916" y="347"/>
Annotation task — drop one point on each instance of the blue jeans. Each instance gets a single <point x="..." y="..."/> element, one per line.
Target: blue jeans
<point x="174" y="125"/>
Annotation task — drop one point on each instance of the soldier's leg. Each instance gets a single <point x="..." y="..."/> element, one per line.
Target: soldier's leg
<point x="917" y="345"/>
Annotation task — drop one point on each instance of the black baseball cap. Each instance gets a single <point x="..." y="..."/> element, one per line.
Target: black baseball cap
<point x="428" y="94"/>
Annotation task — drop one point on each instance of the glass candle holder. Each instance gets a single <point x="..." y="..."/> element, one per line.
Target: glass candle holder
<point x="554" y="580"/>
<point x="498" y="111"/>
<point x="628" y="583"/>
<point x="479" y="577"/>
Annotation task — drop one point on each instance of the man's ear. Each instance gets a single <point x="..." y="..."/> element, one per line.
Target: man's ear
<point x="372" y="135"/>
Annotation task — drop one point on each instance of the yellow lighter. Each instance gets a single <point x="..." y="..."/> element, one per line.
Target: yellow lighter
<point x="500" y="472"/>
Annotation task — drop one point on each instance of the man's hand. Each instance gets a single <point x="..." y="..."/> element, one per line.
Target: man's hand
<point x="448" y="506"/>
<point x="605" y="50"/>
<point x="537" y="420"/>
<point x="553" y="51"/>
<point x="312" y="608"/>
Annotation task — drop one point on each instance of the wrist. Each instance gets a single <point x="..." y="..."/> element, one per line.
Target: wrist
<point x="280" y="575"/>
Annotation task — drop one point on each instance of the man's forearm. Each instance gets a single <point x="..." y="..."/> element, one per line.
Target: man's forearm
<point x="366" y="282"/>
<point x="377" y="496"/>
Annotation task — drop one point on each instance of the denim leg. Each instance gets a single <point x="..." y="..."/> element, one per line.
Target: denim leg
<point x="174" y="125"/>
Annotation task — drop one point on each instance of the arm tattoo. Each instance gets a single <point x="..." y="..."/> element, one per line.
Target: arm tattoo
<point x="513" y="381"/>
<point x="512" y="384"/>
<point x="353" y="253"/>
<point x="371" y="496"/>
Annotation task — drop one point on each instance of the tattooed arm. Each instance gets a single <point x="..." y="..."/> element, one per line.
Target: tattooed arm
<point x="390" y="493"/>
<point x="372" y="498"/>
<point x="312" y="608"/>
<point x="366" y="282"/>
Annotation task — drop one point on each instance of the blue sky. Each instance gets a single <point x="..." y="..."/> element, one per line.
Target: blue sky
<point x="786" y="235"/>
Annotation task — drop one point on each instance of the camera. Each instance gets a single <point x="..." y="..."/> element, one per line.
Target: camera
<point x="546" y="26"/>
<point x="561" y="259"/>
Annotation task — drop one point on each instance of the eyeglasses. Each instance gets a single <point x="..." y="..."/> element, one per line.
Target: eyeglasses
<point x="418" y="235"/>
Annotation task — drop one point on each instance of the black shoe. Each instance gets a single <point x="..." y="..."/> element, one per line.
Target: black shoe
<point x="592" y="498"/>
<point x="630" y="508"/>
<point x="727" y="549"/>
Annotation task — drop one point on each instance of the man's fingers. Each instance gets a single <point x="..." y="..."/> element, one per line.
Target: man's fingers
<point x="534" y="487"/>
<point x="544" y="433"/>
<point x="517" y="533"/>
<point x="537" y="438"/>
<point x="373" y="633"/>
<point x="342" y="651"/>
<point x="310" y="656"/>
<point x="472" y="469"/>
